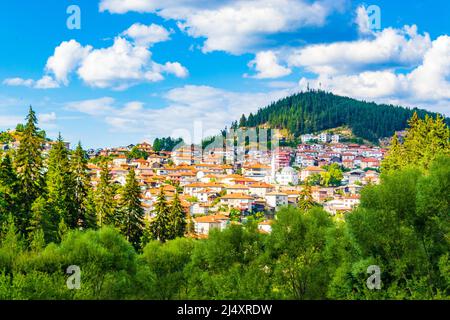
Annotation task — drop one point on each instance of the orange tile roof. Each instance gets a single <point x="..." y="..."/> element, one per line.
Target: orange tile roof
<point x="204" y="185"/>
<point x="313" y="169"/>
<point x="211" y="218"/>
<point x="237" y="196"/>
<point x="235" y="186"/>
<point x="261" y="185"/>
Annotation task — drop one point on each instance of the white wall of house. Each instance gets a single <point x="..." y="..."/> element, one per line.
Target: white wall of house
<point x="276" y="200"/>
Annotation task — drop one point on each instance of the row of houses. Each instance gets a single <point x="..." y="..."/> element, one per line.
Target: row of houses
<point x="210" y="190"/>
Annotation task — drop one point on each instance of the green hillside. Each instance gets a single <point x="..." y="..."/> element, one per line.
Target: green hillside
<point x="314" y="111"/>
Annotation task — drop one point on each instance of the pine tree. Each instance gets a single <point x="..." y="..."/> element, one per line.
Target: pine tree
<point x="160" y="227"/>
<point x="306" y="200"/>
<point x="178" y="217"/>
<point x="10" y="242"/>
<point x="29" y="167"/>
<point x="78" y="163"/>
<point x="131" y="211"/>
<point x="242" y="121"/>
<point x="424" y="141"/>
<point x="436" y="138"/>
<point x="90" y="220"/>
<point x="104" y="197"/>
<point x="415" y="139"/>
<point x="42" y="220"/>
<point x="9" y="189"/>
<point x="395" y="156"/>
<point x="60" y="184"/>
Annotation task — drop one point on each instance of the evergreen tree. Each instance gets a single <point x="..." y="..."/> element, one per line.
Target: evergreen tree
<point x="436" y="139"/>
<point x="90" y="220"/>
<point x="104" y="197"/>
<point x="242" y="121"/>
<point x="29" y="167"/>
<point x="313" y="111"/>
<point x="160" y="227"/>
<point x="43" y="222"/>
<point x="178" y="216"/>
<point x="425" y="140"/>
<point x="11" y="244"/>
<point x="131" y="211"/>
<point x="394" y="158"/>
<point x="9" y="189"/>
<point x="306" y="200"/>
<point x="85" y="216"/>
<point x="60" y="185"/>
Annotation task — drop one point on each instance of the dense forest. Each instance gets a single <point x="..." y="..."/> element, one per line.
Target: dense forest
<point x="52" y="219"/>
<point x="314" y="111"/>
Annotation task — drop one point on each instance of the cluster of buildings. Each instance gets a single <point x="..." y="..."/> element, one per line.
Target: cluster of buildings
<point x="214" y="183"/>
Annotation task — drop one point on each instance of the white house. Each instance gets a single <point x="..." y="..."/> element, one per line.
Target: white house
<point x="256" y="171"/>
<point x="335" y="138"/>
<point x="276" y="199"/>
<point x="199" y="208"/>
<point x="192" y="188"/>
<point x="287" y="176"/>
<point x="307" y="137"/>
<point x="237" y="188"/>
<point x="239" y="201"/>
<point x="324" y="137"/>
<point x="203" y="225"/>
<point x="260" y="189"/>
<point x="120" y="160"/>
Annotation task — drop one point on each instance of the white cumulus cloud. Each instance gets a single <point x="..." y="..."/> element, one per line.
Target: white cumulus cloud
<point x="66" y="58"/>
<point x="390" y="47"/>
<point x="232" y="26"/>
<point x="267" y="66"/>
<point x="146" y="36"/>
<point x="123" y="64"/>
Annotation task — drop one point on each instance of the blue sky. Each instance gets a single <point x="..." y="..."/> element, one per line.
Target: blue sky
<point x="138" y="69"/>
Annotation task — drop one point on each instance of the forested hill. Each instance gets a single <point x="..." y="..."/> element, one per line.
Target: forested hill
<point x="314" y="111"/>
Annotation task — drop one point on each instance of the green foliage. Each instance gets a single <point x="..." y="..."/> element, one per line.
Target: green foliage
<point x="131" y="211"/>
<point x="178" y="216"/>
<point x="298" y="244"/>
<point x="235" y="215"/>
<point x="5" y="138"/>
<point x="9" y="189"/>
<point x="160" y="225"/>
<point x="411" y="209"/>
<point x="315" y="111"/>
<point x="83" y="200"/>
<point x="165" y="144"/>
<point x="424" y="141"/>
<point x="60" y="185"/>
<point x="106" y="260"/>
<point x="105" y="205"/>
<point x="162" y="269"/>
<point x="230" y="265"/>
<point x="332" y="176"/>
<point x="29" y="166"/>
<point x="305" y="200"/>
<point x="402" y="225"/>
<point x="137" y="153"/>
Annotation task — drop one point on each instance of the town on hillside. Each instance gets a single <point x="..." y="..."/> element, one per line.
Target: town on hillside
<point x="321" y="169"/>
